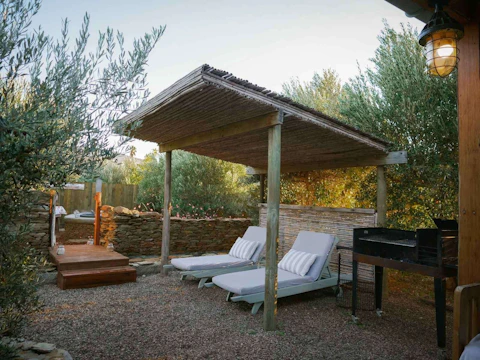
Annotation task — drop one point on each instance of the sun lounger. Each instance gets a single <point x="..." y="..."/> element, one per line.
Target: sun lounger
<point x="472" y="350"/>
<point x="206" y="267"/>
<point x="249" y="286"/>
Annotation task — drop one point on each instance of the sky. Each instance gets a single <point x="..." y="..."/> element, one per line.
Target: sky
<point x="267" y="42"/>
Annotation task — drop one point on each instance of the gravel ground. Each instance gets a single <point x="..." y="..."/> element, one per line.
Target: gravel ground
<point x="165" y="318"/>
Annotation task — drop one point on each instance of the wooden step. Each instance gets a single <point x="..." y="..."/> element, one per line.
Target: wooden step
<point x="80" y="257"/>
<point x="75" y="279"/>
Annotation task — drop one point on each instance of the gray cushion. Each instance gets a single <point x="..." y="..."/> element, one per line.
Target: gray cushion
<point x="258" y="234"/>
<point x="472" y="350"/>
<point x="253" y="281"/>
<point x="315" y="243"/>
<point x="208" y="262"/>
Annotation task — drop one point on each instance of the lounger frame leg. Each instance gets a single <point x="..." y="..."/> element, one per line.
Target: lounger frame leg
<point x="256" y="307"/>
<point x="202" y="282"/>
<point x="229" y="295"/>
<point x="183" y="277"/>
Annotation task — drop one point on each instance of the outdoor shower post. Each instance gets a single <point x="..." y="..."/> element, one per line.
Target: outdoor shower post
<point x="98" y="205"/>
<point x="166" y="211"/>
<point x="273" y="209"/>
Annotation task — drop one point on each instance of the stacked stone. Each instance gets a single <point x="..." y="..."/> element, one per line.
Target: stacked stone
<point x="140" y="233"/>
<point x="38" y="218"/>
<point x="130" y="231"/>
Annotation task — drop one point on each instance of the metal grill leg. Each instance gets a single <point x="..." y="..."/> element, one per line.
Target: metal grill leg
<point x="354" y="290"/>
<point x="378" y="289"/>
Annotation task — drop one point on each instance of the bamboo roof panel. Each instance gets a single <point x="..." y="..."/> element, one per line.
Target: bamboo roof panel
<point x="208" y="99"/>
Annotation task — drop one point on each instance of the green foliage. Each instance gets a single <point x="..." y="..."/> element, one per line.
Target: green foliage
<point x="201" y="186"/>
<point x="330" y="188"/>
<point x="322" y="93"/>
<point x="59" y="105"/>
<point x="18" y="282"/>
<point x="397" y="100"/>
<point x="334" y="188"/>
<point x="8" y="352"/>
<point x="113" y="172"/>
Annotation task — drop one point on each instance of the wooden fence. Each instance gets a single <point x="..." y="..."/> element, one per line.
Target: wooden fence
<point x="84" y="200"/>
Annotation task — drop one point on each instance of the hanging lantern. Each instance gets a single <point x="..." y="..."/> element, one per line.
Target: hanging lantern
<point x="440" y="37"/>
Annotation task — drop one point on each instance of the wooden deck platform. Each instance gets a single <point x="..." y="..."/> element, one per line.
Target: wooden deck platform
<point x="91" y="265"/>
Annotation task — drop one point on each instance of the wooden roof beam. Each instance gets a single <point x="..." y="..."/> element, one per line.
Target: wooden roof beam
<point x="397" y="157"/>
<point x="237" y="128"/>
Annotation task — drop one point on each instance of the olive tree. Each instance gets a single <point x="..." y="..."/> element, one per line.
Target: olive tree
<point x="397" y="100"/>
<point x="59" y="107"/>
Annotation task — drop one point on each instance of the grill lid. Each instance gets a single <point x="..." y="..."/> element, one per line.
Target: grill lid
<point x="443" y="224"/>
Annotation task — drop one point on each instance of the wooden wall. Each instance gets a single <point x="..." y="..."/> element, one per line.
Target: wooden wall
<point x="112" y="194"/>
<point x="337" y="221"/>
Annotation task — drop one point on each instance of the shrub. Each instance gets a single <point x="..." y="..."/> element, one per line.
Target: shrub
<point x="58" y="108"/>
<point x="201" y="187"/>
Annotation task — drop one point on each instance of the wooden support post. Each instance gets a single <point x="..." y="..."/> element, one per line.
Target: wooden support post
<point x="98" y="205"/>
<point x="381" y="197"/>
<point x="273" y="209"/>
<point x="262" y="188"/>
<point x="166" y="211"/>
<point x="382" y="215"/>
<point x="469" y="155"/>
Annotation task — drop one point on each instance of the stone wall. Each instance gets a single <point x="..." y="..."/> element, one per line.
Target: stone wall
<point x="140" y="233"/>
<point x="38" y="218"/>
<point x="335" y="221"/>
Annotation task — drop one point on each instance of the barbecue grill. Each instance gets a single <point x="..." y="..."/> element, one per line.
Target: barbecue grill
<point x="385" y="243"/>
<point x="431" y="247"/>
<point x="430" y="252"/>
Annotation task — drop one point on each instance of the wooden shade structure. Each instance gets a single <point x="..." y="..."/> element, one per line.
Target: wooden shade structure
<point x="213" y="113"/>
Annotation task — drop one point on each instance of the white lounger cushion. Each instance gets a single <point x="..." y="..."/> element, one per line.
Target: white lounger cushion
<point x="315" y="243"/>
<point x="258" y="234"/>
<point x="208" y="262"/>
<point x="243" y="249"/>
<point x="297" y="262"/>
<point x="472" y="350"/>
<point x="254" y="233"/>
<point x="253" y="281"/>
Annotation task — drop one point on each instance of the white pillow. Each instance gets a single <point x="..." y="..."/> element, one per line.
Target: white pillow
<point x="243" y="249"/>
<point x="297" y="262"/>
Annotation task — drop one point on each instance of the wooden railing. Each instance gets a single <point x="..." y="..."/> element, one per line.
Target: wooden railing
<point x="466" y="317"/>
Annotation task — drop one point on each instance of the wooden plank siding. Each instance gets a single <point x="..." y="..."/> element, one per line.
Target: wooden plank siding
<point x="112" y="194"/>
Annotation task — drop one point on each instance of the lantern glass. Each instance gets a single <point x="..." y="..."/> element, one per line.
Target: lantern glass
<point x="441" y="52"/>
